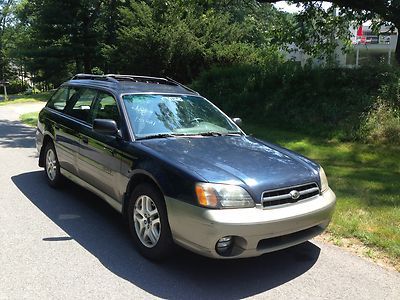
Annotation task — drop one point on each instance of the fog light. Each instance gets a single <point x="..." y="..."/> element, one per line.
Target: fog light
<point x="224" y="245"/>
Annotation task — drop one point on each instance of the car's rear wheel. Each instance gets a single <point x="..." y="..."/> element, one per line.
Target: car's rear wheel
<point x="148" y="222"/>
<point x="52" y="166"/>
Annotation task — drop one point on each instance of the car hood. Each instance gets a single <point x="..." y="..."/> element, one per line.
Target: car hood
<point x="242" y="160"/>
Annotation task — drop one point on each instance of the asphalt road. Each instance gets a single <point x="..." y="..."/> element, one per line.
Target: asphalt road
<point x="68" y="244"/>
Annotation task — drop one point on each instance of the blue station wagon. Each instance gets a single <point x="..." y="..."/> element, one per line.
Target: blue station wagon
<point x="178" y="169"/>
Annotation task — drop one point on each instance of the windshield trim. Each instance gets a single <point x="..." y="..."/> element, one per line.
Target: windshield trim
<point x="136" y="138"/>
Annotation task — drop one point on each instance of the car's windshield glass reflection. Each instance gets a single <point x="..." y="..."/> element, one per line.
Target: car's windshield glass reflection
<point x="173" y="115"/>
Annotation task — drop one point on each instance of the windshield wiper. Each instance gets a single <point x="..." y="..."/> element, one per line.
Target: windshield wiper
<point x="216" y="133"/>
<point x="167" y="135"/>
<point x="159" y="136"/>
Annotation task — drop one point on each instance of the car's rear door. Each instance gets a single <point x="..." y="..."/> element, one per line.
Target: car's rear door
<point x="99" y="159"/>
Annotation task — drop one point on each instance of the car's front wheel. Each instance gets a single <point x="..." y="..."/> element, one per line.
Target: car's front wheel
<point x="148" y="222"/>
<point x="52" y="166"/>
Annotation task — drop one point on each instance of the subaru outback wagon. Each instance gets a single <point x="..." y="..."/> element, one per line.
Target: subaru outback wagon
<point x="178" y="169"/>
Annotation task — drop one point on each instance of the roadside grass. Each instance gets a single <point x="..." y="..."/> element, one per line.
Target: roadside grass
<point x="27" y="98"/>
<point x="365" y="178"/>
<point x="29" y="118"/>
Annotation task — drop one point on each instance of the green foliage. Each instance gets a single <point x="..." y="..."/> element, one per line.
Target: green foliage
<point x="317" y="30"/>
<point x="16" y="86"/>
<point x="324" y="25"/>
<point x="6" y="19"/>
<point x="57" y="38"/>
<point x="29" y="118"/>
<point x="54" y="39"/>
<point x="381" y="124"/>
<point x="322" y="101"/>
<point x="180" y="39"/>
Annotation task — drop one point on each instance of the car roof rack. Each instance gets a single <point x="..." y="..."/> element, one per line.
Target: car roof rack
<point x="137" y="78"/>
<point x="116" y="78"/>
<point x="93" y="77"/>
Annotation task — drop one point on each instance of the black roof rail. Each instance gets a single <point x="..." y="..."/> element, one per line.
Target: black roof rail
<point x="94" y="77"/>
<point x="137" y="78"/>
<point x="183" y="86"/>
<point x="116" y="78"/>
<point x="157" y="80"/>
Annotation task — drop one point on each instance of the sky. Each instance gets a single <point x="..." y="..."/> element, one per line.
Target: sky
<point x="283" y="5"/>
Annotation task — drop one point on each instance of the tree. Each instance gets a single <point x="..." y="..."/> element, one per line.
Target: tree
<point x="180" y="38"/>
<point x="5" y="8"/>
<point x="64" y="37"/>
<point x="381" y="12"/>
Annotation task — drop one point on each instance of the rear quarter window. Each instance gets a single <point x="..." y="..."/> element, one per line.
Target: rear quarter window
<point x="59" y="99"/>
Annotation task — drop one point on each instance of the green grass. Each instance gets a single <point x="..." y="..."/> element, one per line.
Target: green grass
<point x="366" y="180"/>
<point x="43" y="97"/>
<point x="29" y="118"/>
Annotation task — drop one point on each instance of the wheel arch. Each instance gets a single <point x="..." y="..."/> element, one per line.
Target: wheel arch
<point x="138" y="178"/>
<point x="47" y="139"/>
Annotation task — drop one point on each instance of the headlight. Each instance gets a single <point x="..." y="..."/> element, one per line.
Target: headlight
<point x="222" y="196"/>
<point x="324" y="180"/>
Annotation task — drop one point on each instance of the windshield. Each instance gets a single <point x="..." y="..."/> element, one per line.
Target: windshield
<point x="152" y="115"/>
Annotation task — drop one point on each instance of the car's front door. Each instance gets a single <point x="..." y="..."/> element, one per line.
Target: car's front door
<point x="98" y="160"/>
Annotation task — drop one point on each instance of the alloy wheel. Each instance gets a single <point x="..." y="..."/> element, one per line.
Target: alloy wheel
<point x="147" y="221"/>
<point x="51" y="164"/>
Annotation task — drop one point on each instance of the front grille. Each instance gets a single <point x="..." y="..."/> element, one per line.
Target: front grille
<point x="283" y="196"/>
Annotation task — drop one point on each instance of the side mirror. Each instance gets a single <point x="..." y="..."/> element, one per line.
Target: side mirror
<point x="237" y="121"/>
<point x="105" y="126"/>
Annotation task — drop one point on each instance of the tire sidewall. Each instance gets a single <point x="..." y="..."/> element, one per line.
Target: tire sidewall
<point x="164" y="246"/>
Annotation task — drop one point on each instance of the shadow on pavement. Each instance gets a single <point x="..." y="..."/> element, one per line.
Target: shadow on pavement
<point x="101" y="231"/>
<point x="13" y="134"/>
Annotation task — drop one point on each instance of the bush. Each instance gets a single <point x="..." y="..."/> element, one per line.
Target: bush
<point x="16" y="87"/>
<point x="381" y="124"/>
<point x="321" y="101"/>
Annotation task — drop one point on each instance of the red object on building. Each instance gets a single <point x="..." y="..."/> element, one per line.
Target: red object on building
<point x="360" y="31"/>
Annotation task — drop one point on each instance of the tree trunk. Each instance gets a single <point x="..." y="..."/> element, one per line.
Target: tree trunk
<point x="86" y="47"/>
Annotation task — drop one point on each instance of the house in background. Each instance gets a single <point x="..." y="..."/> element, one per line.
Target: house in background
<point x="372" y="48"/>
<point x="367" y="48"/>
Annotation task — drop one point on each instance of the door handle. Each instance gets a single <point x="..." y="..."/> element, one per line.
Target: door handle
<point x="85" y="140"/>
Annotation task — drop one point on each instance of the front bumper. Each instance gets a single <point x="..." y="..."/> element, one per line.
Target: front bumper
<point x="256" y="231"/>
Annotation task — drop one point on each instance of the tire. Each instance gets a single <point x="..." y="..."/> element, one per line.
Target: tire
<point x="148" y="223"/>
<point x="52" y="166"/>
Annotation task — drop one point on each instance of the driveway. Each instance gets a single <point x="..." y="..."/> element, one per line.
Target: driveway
<point x="68" y="244"/>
